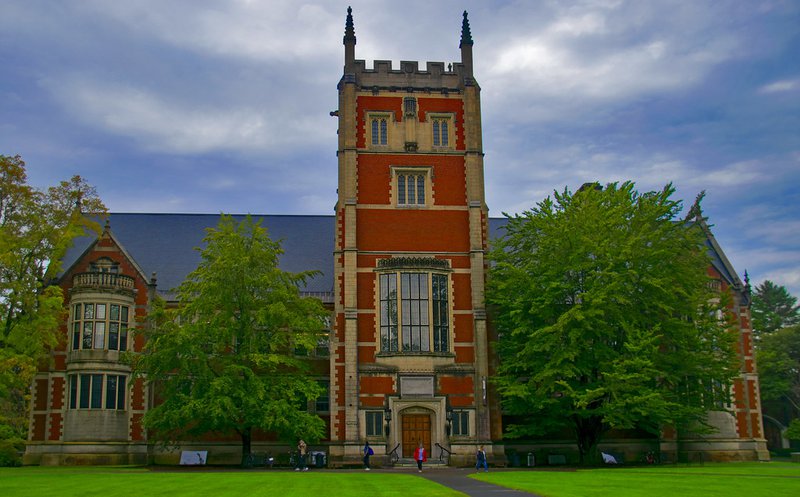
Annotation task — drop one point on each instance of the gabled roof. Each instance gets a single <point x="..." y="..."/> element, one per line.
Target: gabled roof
<point x="69" y="260"/>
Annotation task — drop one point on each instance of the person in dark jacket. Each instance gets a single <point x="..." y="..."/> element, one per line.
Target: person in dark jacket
<point x="367" y="452"/>
<point x="480" y="460"/>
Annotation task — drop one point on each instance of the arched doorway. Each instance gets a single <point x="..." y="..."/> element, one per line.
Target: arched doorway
<point x="415" y="427"/>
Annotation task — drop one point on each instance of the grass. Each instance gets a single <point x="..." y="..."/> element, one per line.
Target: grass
<point x="105" y="481"/>
<point x="709" y="480"/>
<point x="775" y="479"/>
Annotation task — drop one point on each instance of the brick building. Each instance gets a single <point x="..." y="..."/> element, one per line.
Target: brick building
<point x="409" y="357"/>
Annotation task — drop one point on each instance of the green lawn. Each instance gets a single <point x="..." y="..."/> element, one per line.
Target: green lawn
<point x="710" y="480"/>
<point x="105" y="482"/>
<point x="728" y="480"/>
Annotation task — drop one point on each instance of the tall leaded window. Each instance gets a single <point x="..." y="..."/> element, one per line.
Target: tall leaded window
<point x="441" y="129"/>
<point x="97" y="325"/>
<point x="379" y="130"/>
<point x="410" y="189"/>
<point x="414" y="311"/>
<point x="97" y="391"/>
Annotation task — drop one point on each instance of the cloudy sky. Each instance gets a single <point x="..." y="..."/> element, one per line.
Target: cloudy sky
<point x="203" y="106"/>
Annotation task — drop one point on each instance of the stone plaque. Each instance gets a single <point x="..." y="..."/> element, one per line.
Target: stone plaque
<point x="417" y="386"/>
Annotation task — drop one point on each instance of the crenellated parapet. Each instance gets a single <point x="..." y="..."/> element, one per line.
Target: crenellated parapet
<point x="436" y="77"/>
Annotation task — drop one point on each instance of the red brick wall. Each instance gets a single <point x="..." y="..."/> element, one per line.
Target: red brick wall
<point x="465" y="354"/>
<point x="55" y="427"/>
<point x="137" y="395"/>
<point x="366" y="104"/>
<point x="444" y="231"/>
<point x="366" y="354"/>
<point x="38" y="429"/>
<point x="454" y="105"/>
<point x="462" y="324"/>
<point x="366" y="290"/>
<point x="137" y="431"/>
<point x="57" y="393"/>
<point x="367" y="328"/>
<point x="449" y="184"/>
<point x="462" y="291"/>
<point x="377" y="384"/>
<point x="40" y="401"/>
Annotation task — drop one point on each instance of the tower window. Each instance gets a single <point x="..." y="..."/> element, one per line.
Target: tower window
<point x="414" y="312"/>
<point x="442" y="126"/>
<point x="379" y="130"/>
<point x="412" y="186"/>
<point x="410" y="189"/>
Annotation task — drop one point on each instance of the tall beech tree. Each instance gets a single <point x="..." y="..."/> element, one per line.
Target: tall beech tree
<point x="36" y="228"/>
<point x="224" y="360"/>
<point x="605" y="317"/>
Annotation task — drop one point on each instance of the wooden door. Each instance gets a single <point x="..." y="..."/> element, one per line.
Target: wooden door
<point x="416" y="428"/>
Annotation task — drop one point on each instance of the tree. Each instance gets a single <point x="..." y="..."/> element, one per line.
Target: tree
<point x="773" y="307"/>
<point x="793" y="431"/>
<point x="224" y="360"/>
<point x="605" y="317"/>
<point x="36" y="229"/>
<point x="778" y="359"/>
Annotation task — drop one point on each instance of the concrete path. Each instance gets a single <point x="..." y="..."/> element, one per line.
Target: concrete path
<point x="456" y="478"/>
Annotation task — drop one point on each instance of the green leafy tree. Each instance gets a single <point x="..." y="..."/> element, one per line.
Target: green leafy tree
<point x="605" y="317"/>
<point x="778" y="359"/>
<point x="36" y="229"/>
<point x="793" y="431"/>
<point x="773" y="307"/>
<point x="224" y="360"/>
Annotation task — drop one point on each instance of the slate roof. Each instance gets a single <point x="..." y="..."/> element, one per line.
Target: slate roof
<point x="166" y="244"/>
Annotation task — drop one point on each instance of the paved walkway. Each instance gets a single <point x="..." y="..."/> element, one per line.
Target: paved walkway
<point x="456" y="478"/>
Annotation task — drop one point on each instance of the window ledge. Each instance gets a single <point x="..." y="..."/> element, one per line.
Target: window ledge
<point x="416" y="354"/>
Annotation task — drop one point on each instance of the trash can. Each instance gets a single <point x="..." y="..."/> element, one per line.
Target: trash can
<point x="515" y="460"/>
<point x="531" y="460"/>
<point x="319" y="459"/>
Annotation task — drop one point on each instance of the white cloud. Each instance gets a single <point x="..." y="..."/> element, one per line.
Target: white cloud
<point x="278" y="29"/>
<point x="160" y="123"/>
<point x="591" y="53"/>
<point x="781" y="86"/>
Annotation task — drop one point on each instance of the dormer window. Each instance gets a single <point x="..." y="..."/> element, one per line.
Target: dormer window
<point x="104" y="265"/>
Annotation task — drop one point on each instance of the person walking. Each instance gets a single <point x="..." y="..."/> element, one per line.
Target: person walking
<point x="302" y="448"/>
<point x="480" y="460"/>
<point x="367" y="452"/>
<point x="420" y="456"/>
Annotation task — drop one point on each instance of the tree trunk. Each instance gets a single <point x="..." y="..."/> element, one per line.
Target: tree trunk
<point x="246" y="435"/>
<point x="588" y="432"/>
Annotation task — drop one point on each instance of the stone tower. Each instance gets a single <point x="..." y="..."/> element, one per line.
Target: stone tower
<point x="409" y="352"/>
